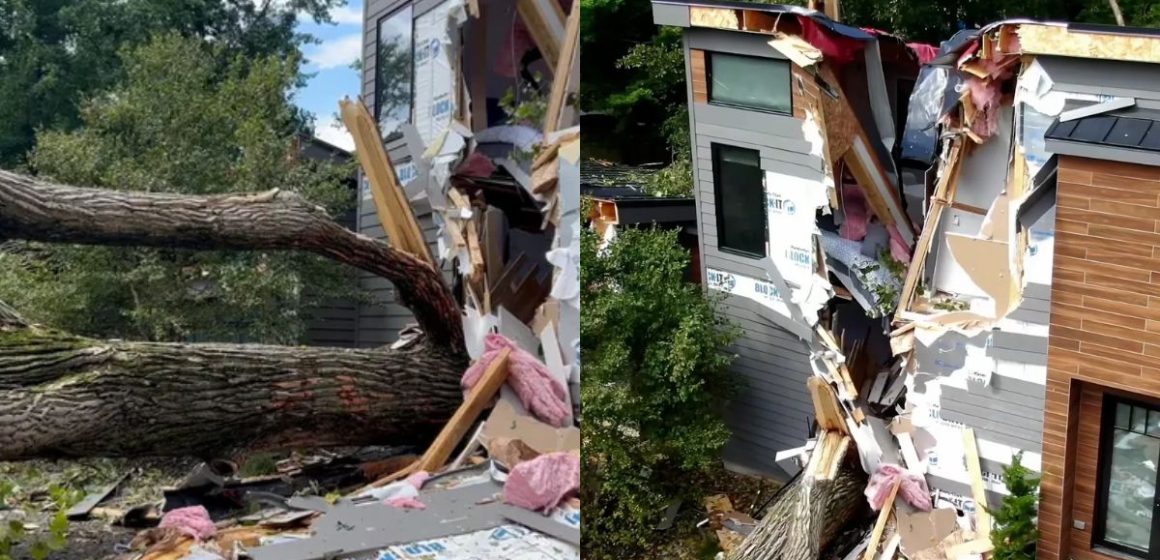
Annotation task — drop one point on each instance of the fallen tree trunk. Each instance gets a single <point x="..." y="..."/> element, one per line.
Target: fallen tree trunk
<point x="275" y="220"/>
<point x="804" y="518"/>
<point x="66" y="395"/>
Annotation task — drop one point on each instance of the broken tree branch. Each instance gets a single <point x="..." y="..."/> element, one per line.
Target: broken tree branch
<point x="37" y="210"/>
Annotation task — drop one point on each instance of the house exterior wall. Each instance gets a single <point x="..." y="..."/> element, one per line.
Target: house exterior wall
<point x="1105" y="333"/>
<point x="380" y="324"/>
<point x="334" y="323"/>
<point x="773" y="409"/>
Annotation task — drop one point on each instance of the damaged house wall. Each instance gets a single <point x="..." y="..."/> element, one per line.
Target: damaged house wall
<point x="773" y="412"/>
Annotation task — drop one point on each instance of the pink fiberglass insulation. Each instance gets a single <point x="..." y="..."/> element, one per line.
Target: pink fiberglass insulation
<point x="540" y="484"/>
<point x="913" y="489"/>
<point x="855" y="212"/>
<point x="543" y="395"/>
<point x="985" y="96"/>
<point x="923" y="51"/>
<point x="476" y="165"/>
<point x="193" y="521"/>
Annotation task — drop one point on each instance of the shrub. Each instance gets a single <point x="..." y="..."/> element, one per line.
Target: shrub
<point x="1015" y="533"/>
<point x="655" y="378"/>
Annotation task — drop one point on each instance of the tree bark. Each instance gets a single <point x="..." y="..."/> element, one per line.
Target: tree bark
<point x="275" y="220"/>
<point x="66" y="395"/>
<point x="805" y="517"/>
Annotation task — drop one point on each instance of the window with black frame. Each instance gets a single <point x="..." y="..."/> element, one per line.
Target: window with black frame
<point x="1126" y="520"/>
<point x="740" y="200"/>
<point x="750" y="82"/>
<point x="393" y="72"/>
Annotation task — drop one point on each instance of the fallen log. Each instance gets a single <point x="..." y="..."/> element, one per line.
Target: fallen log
<point x="67" y="395"/>
<point x="806" y="516"/>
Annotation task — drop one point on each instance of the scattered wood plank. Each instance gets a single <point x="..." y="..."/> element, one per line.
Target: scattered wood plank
<point x="978" y="490"/>
<point x="880" y="525"/>
<point x="85" y="507"/>
<point x="544" y="20"/>
<point x="481" y="395"/>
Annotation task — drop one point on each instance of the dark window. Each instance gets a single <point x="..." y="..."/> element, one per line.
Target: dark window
<point x="1129" y="454"/>
<point x="750" y="81"/>
<point x="740" y="200"/>
<point x="393" y="73"/>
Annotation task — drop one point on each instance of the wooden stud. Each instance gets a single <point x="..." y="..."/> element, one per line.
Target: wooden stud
<point x="481" y="395"/>
<point x="394" y="212"/>
<point x="880" y="525"/>
<point x="564" y="62"/>
<point x="543" y="18"/>
<point x="978" y="490"/>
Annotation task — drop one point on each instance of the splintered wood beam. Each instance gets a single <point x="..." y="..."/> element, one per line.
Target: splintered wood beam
<point x="938" y="202"/>
<point x="563" y="72"/>
<point x="481" y="395"/>
<point x="826" y="407"/>
<point x="978" y="491"/>
<point x="880" y="525"/>
<point x="391" y="206"/>
<point x="544" y="20"/>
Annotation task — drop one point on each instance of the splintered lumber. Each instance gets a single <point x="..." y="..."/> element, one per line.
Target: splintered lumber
<point x="978" y="491"/>
<point x="394" y="212"/>
<point x="880" y="525"/>
<point x="563" y="70"/>
<point x="481" y="396"/>
<point x="938" y="202"/>
<point x="826" y="408"/>
<point x="544" y="20"/>
<point x="806" y="516"/>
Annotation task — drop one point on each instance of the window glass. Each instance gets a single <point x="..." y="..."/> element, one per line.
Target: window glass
<point x="1131" y="488"/>
<point x="747" y="81"/>
<point x="393" y="73"/>
<point x="740" y="200"/>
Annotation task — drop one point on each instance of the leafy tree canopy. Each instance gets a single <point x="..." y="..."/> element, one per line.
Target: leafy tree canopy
<point x="655" y="382"/>
<point x="55" y="53"/>
<point x="196" y="118"/>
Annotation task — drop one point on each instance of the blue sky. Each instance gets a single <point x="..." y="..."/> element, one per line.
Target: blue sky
<point x="329" y="63"/>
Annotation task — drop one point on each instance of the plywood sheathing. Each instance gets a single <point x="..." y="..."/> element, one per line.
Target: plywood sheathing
<point x="720" y="18"/>
<point x="801" y="53"/>
<point x="1060" y="41"/>
<point x="700" y="80"/>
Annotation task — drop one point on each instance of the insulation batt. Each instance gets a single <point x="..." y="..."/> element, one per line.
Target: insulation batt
<point x="542" y="483"/>
<point x="913" y="489"/>
<point x="193" y="521"/>
<point x="540" y="393"/>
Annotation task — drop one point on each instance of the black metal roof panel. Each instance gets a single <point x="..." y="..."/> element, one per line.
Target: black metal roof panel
<point x="1109" y="130"/>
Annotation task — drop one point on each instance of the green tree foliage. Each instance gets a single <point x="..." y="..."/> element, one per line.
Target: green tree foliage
<point x="55" y="53"/>
<point x="195" y="118"/>
<point x="655" y="382"/>
<point x="1015" y="533"/>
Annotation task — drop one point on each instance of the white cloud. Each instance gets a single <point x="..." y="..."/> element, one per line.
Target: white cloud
<point x="337" y="53"/>
<point x="333" y="132"/>
<point x="346" y="15"/>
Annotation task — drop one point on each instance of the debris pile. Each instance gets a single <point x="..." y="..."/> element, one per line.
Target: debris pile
<point x="921" y="284"/>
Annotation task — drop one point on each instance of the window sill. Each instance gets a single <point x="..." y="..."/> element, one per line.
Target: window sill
<point x="1114" y="554"/>
<point x="751" y="108"/>
<point x="740" y="253"/>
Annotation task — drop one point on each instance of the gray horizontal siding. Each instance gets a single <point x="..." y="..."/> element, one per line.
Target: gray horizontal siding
<point x="751" y="44"/>
<point x="379" y="324"/>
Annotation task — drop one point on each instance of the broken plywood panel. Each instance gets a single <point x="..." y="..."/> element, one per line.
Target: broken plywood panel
<point x="1060" y="41"/>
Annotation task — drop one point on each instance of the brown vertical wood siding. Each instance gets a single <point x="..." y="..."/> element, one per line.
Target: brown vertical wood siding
<point x="700" y="76"/>
<point x="1105" y="333"/>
